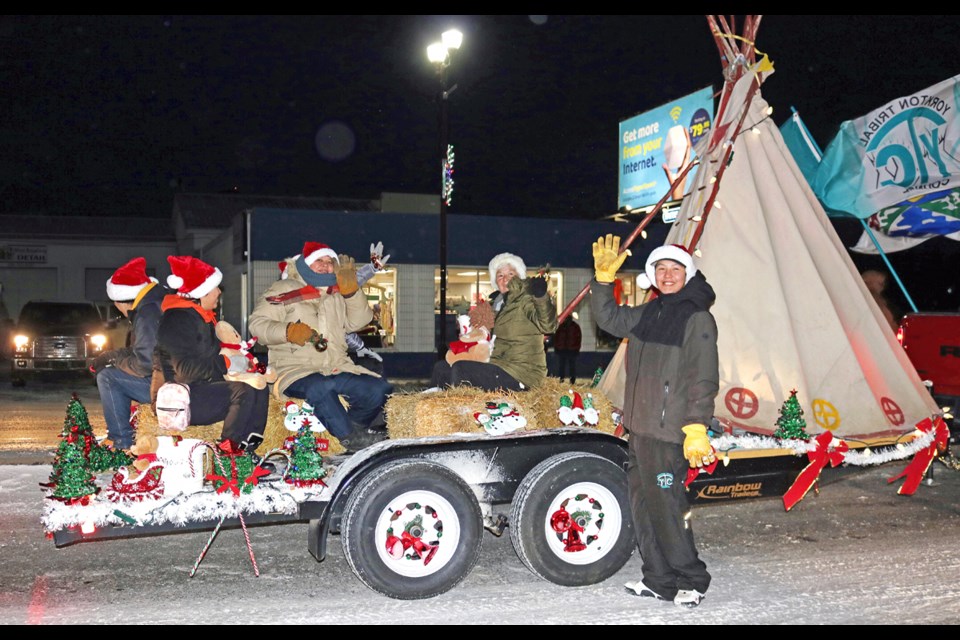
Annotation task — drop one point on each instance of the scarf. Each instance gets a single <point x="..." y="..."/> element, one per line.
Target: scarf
<point x="665" y="320"/>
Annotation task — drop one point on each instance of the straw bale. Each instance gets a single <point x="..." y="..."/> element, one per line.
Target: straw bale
<point x="273" y="435"/>
<point x="411" y="415"/>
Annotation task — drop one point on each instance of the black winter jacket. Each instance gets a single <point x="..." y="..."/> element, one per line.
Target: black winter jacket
<point x="137" y="359"/>
<point x="672" y="364"/>
<point x="187" y="348"/>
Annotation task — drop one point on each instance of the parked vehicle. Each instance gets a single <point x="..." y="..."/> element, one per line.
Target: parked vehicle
<point x="56" y="336"/>
<point x="932" y="342"/>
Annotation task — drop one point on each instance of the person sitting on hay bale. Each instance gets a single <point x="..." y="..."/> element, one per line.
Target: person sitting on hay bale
<point x="188" y="352"/>
<point x="524" y="315"/>
<point x="303" y="319"/>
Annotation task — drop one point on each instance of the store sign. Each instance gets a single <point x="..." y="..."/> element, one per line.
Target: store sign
<point x="23" y="254"/>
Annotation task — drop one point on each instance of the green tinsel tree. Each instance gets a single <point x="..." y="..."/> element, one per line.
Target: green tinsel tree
<point x="790" y="424"/>
<point x="79" y="457"/>
<point x="306" y="464"/>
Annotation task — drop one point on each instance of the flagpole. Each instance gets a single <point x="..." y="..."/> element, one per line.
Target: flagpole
<point x="886" y="261"/>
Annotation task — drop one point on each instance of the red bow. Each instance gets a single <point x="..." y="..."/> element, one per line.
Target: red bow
<point x="819" y="458"/>
<point x="693" y="472"/>
<point x="922" y="460"/>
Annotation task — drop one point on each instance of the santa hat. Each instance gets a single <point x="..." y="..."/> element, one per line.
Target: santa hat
<point x="192" y="278"/>
<point x="283" y="269"/>
<point x="674" y="252"/>
<point x="128" y="281"/>
<point x="502" y="260"/>
<point x="313" y="251"/>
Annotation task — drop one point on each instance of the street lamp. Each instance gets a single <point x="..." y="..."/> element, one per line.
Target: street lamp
<point x="440" y="53"/>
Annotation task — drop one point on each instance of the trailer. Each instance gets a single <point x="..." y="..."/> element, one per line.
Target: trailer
<point x="411" y="513"/>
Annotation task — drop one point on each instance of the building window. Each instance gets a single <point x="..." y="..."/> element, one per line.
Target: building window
<point x="381" y="292"/>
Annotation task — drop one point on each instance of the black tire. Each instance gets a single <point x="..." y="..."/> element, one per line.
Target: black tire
<point x="408" y="490"/>
<point x="540" y="507"/>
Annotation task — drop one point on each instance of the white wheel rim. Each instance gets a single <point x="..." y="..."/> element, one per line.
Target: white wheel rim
<point x="418" y="512"/>
<point x="598" y="513"/>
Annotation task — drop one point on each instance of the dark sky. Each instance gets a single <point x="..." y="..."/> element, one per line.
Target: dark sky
<point x="111" y="115"/>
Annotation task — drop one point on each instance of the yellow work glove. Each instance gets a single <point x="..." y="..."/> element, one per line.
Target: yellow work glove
<point x="347" y="276"/>
<point x="607" y="258"/>
<point x="299" y="333"/>
<point x="696" y="446"/>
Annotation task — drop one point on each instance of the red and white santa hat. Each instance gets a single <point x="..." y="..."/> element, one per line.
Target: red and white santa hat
<point x="676" y="252"/>
<point x="313" y="251"/>
<point x="192" y="278"/>
<point x="502" y="260"/>
<point x="128" y="281"/>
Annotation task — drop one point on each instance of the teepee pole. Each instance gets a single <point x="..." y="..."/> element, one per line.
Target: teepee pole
<point x="567" y="310"/>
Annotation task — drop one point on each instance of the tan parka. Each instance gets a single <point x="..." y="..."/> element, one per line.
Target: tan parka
<point x="331" y="315"/>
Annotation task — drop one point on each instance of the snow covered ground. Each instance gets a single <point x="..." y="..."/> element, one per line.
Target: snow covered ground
<point x="855" y="554"/>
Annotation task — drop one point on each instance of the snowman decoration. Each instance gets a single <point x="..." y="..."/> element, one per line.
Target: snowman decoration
<point x="296" y="416"/>
<point x="500" y="418"/>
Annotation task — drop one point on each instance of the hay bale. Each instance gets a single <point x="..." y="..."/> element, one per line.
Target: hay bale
<point x="413" y="415"/>
<point x="274" y="432"/>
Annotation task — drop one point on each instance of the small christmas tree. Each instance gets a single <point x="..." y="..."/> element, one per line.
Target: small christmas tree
<point x="790" y="424"/>
<point x="596" y="377"/>
<point x="306" y="464"/>
<point x="79" y="457"/>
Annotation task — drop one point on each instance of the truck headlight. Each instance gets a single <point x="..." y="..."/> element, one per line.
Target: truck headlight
<point x="20" y="342"/>
<point x="98" y="340"/>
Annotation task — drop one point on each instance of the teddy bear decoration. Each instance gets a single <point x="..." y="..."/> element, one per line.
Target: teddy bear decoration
<point x="244" y="366"/>
<point x="476" y="339"/>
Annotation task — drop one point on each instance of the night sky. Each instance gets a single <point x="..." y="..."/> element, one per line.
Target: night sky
<point x="113" y="115"/>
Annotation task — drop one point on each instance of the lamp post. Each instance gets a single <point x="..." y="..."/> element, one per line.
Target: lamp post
<point x="440" y="53"/>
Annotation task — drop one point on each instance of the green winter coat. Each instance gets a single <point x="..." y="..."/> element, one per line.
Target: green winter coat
<point x="519" y="329"/>
<point x="331" y="315"/>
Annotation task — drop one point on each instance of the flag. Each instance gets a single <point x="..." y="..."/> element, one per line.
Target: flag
<point x="906" y="149"/>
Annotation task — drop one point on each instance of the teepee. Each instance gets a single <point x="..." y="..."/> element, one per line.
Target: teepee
<point x="792" y="310"/>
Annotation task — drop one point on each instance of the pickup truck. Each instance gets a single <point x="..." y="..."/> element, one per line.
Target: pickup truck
<point x="932" y="342"/>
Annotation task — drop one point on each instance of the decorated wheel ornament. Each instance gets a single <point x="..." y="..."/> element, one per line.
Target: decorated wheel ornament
<point x="414" y="533"/>
<point x="580" y="528"/>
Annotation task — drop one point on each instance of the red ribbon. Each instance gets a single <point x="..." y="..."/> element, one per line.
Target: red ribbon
<point x="229" y="484"/>
<point x="819" y="458"/>
<point x="693" y="472"/>
<point x="921" y="462"/>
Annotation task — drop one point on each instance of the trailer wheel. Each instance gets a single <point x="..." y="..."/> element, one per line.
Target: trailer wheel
<point x="570" y="521"/>
<point x="412" y="530"/>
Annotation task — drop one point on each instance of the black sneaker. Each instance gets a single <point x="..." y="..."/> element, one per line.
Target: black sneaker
<point x="361" y="438"/>
<point x="267" y="466"/>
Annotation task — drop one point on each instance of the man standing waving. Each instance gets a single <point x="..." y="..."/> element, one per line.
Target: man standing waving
<point x="672" y="382"/>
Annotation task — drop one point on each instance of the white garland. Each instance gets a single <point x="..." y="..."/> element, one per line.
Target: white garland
<point x="856" y="457"/>
<point x="205" y="505"/>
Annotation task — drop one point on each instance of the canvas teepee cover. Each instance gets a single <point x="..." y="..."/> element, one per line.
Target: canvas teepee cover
<point x="792" y="310"/>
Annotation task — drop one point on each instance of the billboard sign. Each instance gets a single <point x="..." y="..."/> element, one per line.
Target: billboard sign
<point x="654" y="147"/>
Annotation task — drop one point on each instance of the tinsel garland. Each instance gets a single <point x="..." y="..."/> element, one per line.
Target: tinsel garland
<point x="859" y="457"/>
<point x="196" y="507"/>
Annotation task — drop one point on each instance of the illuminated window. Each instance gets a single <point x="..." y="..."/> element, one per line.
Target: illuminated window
<point x="381" y="292"/>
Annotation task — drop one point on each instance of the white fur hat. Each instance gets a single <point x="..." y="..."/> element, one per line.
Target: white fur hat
<point x="504" y="259"/>
<point x="674" y="252"/>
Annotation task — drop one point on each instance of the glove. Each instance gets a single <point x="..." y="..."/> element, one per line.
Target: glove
<point x="607" y="258"/>
<point x="299" y="333"/>
<point x="347" y="276"/>
<point x="101" y="362"/>
<point x="537" y="286"/>
<point x="367" y="353"/>
<point x="696" y="446"/>
<point x="377" y="259"/>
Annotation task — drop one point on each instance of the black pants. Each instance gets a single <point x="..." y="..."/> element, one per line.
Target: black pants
<point x="482" y="375"/>
<point x="242" y="408"/>
<point x="656" y="472"/>
<point x="567" y="360"/>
